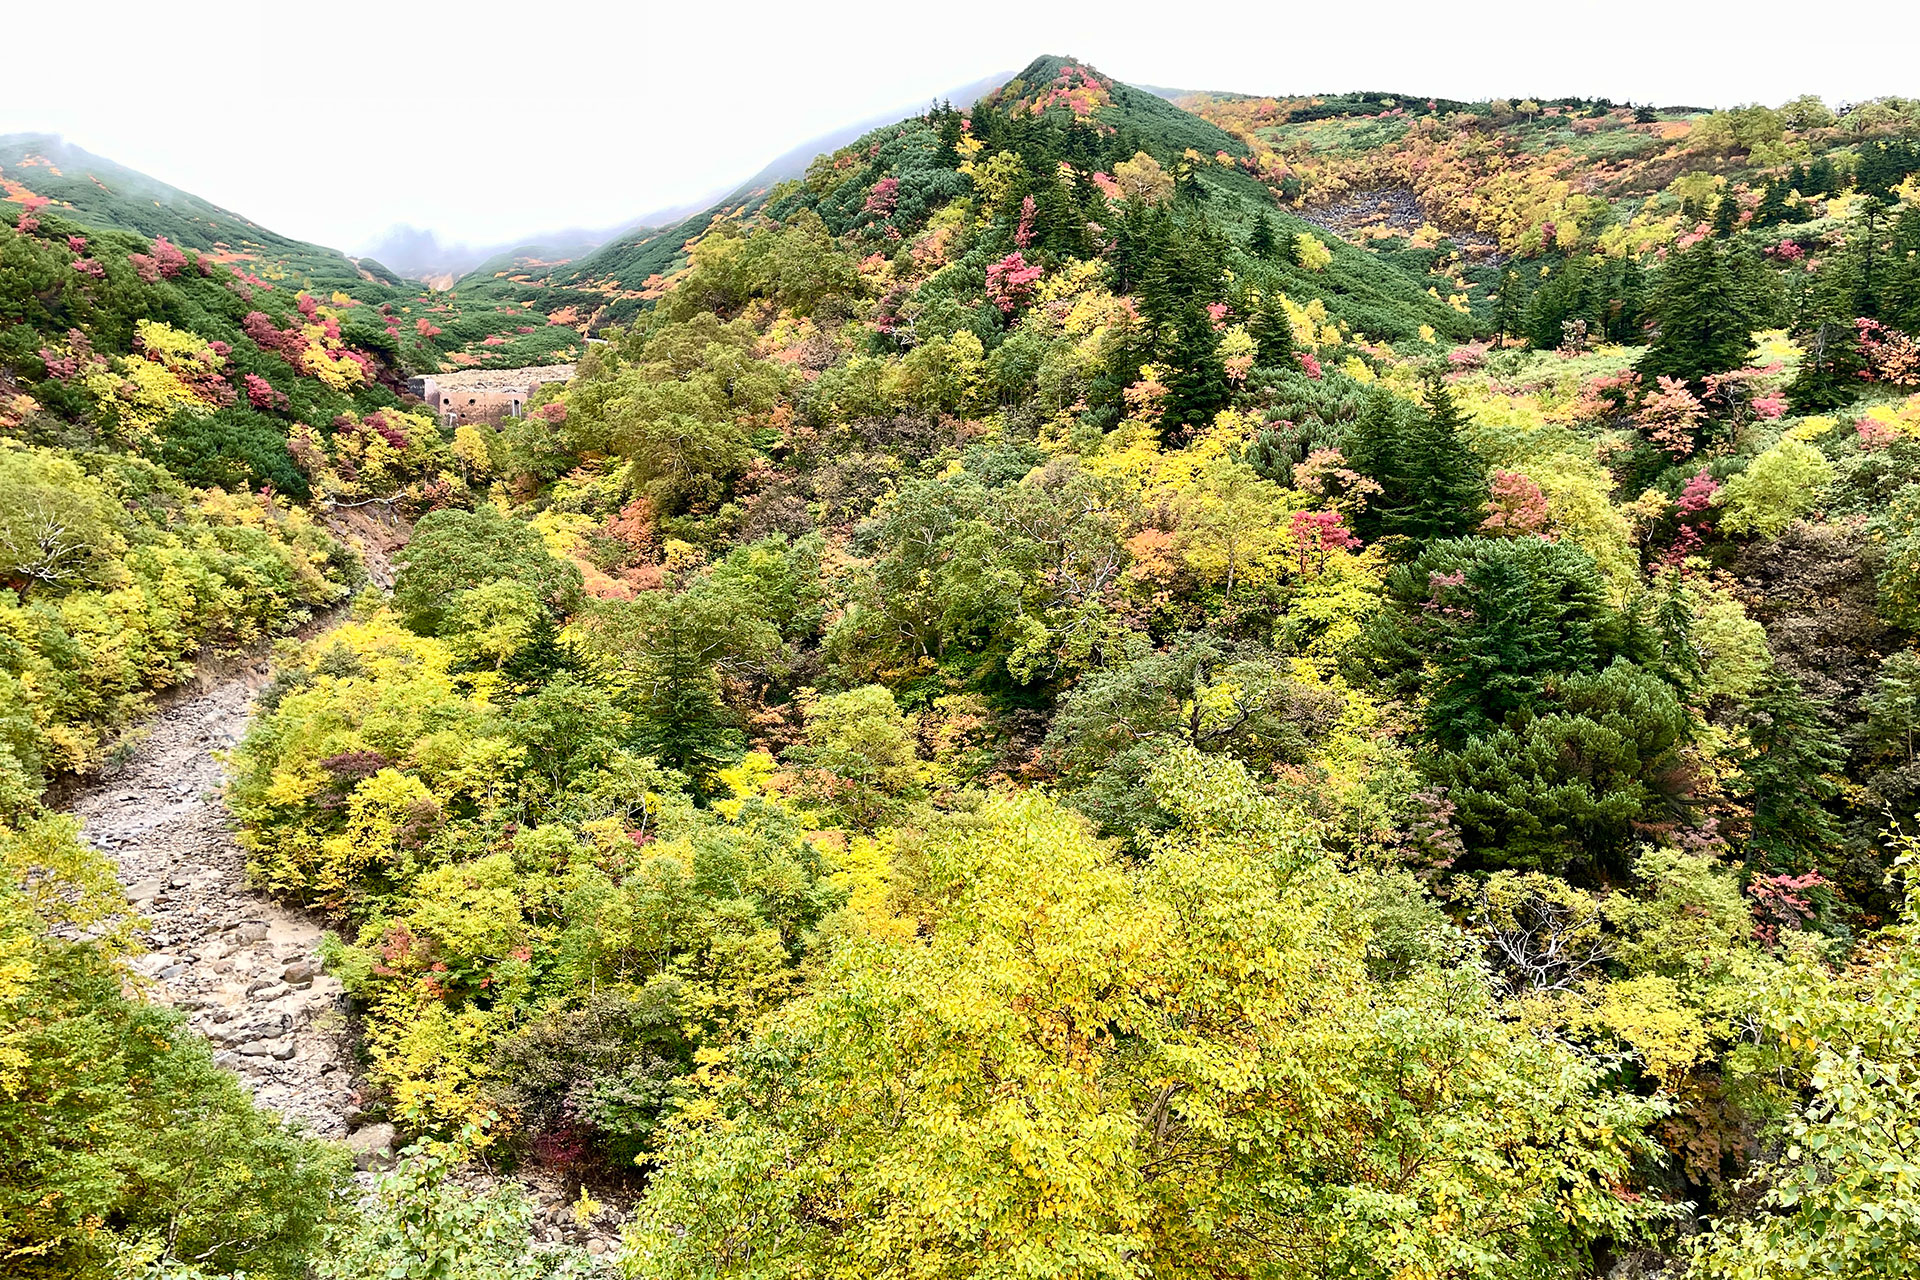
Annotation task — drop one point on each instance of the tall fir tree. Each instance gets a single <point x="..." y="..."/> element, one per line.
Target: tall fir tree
<point x="1823" y="179"/>
<point x="1830" y="361"/>
<point x="1830" y="365"/>
<point x="1449" y="481"/>
<point x="1706" y="305"/>
<point x="1510" y="308"/>
<point x="1786" y="768"/>
<point x="1726" y="216"/>
<point x="1900" y="296"/>
<point x="1270" y="329"/>
<point x="1260" y="243"/>
<point x="1196" y="373"/>
<point x="1432" y="484"/>
<point x="1865" y="243"/>
<point x="1772" y="210"/>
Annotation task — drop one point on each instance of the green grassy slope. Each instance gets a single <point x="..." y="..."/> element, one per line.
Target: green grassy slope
<point x="96" y="192"/>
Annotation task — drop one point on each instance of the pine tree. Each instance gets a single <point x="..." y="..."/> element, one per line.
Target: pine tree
<point x="1881" y="167"/>
<point x="1270" y="330"/>
<point x="1790" y="753"/>
<point x="1057" y="223"/>
<point x="1830" y="366"/>
<point x="1822" y="179"/>
<point x="1288" y="250"/>
<point x="1829" y="376"/>
<point x="1900" y="297"/>
<point x="1726" y="216"/>
<point x="1432" y="483"/>
<point x="1449" y="481"/>
<point x="1260" y="243"/>
<point x="1272" y="456"/>
<point x="1509" y="314"/>
<point x="1873" y="213"/>
<point x="1705" y="312"/>
<point x="1627" y="306"/>
<point x="1772" y="210"/>
<point x="1196" y="376"/>
<point x="1567" y="294"/>
<point x="684" y="727"/>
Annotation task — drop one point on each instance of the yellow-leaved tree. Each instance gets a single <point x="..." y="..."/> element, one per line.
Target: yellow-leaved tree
<point x="1227" y="1059"/>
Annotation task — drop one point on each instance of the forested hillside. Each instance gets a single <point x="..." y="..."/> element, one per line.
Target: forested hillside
<point x="1252" y="687"/>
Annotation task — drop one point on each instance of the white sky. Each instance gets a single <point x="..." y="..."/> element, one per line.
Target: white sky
<point x="332" y="121"/>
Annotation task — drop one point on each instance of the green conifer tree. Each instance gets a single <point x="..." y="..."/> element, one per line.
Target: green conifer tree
<point x="1432" y="483"/>
<point x="1448" y="480"/>
<point x="1829" y="375"/>
<point x="1270" y="329"/>
<point x="1509" y="313"/>
<point x="1196" y="375"/>
<point x="1789" y="756"/>
<point x="1772" y="210"/>
<point x="1726" y="216"/>
<point x="1705" y="307"/>
<point x="1260" y="243"/>
<point x="1822" y="179"/>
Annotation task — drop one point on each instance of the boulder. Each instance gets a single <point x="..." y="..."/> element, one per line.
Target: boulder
<point x="372" y="1146"/>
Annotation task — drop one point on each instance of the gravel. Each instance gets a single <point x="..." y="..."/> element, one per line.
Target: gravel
<point x="244" y="968"/>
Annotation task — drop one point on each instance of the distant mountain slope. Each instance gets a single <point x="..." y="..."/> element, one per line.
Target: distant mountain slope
<point x="632" y="250"/>
<point x="100" y="193"/>
<point x="793" y="164"/>
<point x="652" y="247"/>
<point x="97" y="192"/>
<point x="628" y="273"/>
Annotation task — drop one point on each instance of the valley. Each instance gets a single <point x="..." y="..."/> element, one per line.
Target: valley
<point x="1105" y="682"/>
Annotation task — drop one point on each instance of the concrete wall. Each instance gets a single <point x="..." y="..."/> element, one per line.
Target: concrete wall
<point x="459" y="403"/>
<point x="494" y="407"/>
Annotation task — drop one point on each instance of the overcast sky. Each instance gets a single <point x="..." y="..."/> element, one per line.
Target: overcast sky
<point x="483" y="122"/>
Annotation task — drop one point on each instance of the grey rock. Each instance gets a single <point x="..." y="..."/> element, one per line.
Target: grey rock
<point x="372" y="1146"/>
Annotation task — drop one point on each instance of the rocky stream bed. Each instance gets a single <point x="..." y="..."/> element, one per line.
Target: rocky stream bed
<point x="244" y="968"/>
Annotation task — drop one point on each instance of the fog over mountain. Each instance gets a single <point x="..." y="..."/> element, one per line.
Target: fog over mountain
<point x="421" y="254"/>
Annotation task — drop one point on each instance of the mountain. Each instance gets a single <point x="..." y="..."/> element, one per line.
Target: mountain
<point x="393" y="322"/>
<point x="792" y="164"/>
<point x="420" y="254"/>
<point x="98" y="192"/>
<point x="622" y="277"/>
<point x="655" y="244"/>
<point x="1098" y="682"/>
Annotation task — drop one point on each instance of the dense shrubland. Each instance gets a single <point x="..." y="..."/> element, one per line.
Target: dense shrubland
<point x="1035" y="712"/>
